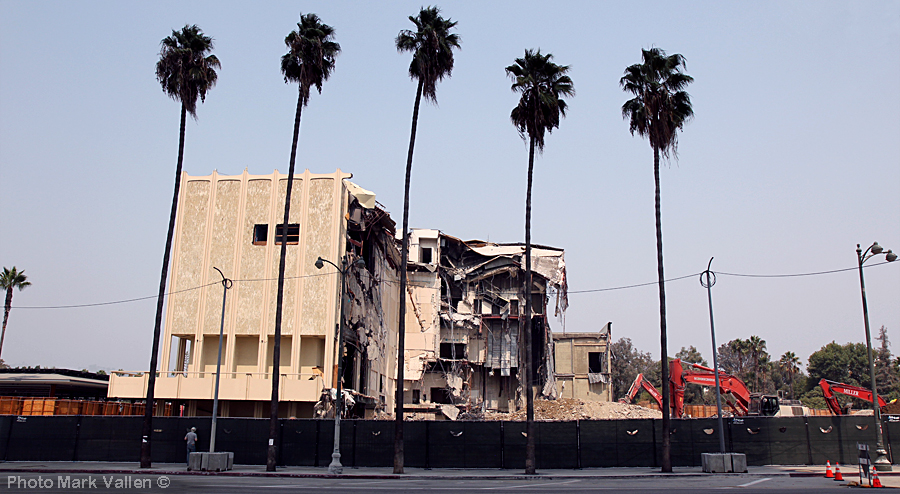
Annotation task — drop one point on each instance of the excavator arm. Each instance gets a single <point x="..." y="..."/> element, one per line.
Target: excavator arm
<point x="641" y="382"/>
<point x="736" y="394"/>
<point x="829" y="388"/>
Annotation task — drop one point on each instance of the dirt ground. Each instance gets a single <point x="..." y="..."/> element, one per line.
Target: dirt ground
<point x="568" y="409"/>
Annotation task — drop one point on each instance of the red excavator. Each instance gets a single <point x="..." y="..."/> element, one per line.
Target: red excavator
<point x="733" y="390"/>
<point x="641" y="382"/>
<point x="829" y="388"/>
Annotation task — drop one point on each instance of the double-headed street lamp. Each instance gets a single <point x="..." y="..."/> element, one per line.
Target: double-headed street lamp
<point x="335" y="468"/>
<point x="881" y="462"/>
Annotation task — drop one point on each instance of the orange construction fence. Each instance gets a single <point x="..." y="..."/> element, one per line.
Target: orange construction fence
<point x="15" y="405"/>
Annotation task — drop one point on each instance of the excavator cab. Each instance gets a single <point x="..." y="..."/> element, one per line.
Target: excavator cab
<point x="763" y="405"/>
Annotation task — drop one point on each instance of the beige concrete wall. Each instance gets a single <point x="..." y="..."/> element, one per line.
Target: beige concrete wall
<point x="214" y="228"/>
<point x="572" y="366"/>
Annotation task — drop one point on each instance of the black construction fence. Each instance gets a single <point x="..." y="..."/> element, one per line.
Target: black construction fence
<point x="444" y="444"/>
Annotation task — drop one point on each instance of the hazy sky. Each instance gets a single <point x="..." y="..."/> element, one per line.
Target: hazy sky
<point x="793" y="157"/>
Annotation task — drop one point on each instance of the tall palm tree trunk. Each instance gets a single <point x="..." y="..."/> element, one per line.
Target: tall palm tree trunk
<point x="663" y="338"/>
<point x="6" y="308"/>
<point x="401" y="328"/>
<point x="271" y="455"/>
<point x="147" y="427"/>
<point x="529" y="395"/>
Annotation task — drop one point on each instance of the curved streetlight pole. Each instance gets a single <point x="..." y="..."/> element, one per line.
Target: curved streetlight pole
<point x="335" y="468"/>
<point x="881" y="462"/>
<point x="226" y="284"/>
<point x="707" y="280"/>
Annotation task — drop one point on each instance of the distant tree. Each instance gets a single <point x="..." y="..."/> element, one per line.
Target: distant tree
<point x="542" y="85"/>
<point x="790" y="363"/>
<point x="757" y="347"/>
<point x="659" y="109"/>
<point x="186" y="72"/>
<point x="846" y="363"/>
<point x="885" y="374"/>
<point x="432" y="44"/>
<point x="3" y="364"/>
<point x="9" y="279"/>
<point x="735" y="358"/>
<point x="692" y="355"/>
<point x="627" y="363"/>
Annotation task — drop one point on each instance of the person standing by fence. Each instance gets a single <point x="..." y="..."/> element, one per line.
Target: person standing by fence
<point x="191" y="439"/>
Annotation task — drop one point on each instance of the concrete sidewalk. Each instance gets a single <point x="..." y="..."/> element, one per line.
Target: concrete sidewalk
<point x="850" y="472"/>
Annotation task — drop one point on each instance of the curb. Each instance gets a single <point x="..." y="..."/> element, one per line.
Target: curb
<point x="397" y="476"/>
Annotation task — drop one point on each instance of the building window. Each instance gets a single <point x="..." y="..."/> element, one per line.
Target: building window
<point x="595" y="362"/>
<point x="425" y="255"/>
<point x="453" y="351"/>
<point x="293" y="234"/>
<point x="441" y="395"/>
<point x="417" y="396"/>
<point x="260" y="234"/>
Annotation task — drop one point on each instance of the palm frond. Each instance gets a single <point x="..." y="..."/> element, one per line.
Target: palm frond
<point x="311" y="55"/>
<point x="543" y="85"/>
<point x="184" y="69"/>
<point x="432" y="44"/>
<point x="660" y="106"/>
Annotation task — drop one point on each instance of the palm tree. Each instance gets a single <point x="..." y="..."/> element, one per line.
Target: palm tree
<point x="186" y="72"/>
<point x="659" y="108"/>
<point x="757" y="348"/>
<point x="308" y="62"/>
<point x="791" y="363"/>
<point x="9" y="279"/>
<point x="432" y="46"/>
<point x="542" y="84"/>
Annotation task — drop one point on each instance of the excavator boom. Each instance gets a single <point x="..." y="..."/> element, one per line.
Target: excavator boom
<point x="736" y="394"/>
<point x="829" y="388"/>
<point x="641" y="382"/>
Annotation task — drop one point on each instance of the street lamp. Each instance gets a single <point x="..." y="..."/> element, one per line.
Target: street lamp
<point x="226" y="284"/>
<point x="707" y="280"/>
<point x="335" y="468"/>
<point x="881" y="462"/>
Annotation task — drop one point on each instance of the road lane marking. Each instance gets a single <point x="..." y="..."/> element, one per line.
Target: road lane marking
<point x="748" y="484"/>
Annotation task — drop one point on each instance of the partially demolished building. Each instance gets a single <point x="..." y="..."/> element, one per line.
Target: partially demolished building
<point x="235" y="224"/>
<point x="465" y="322"/>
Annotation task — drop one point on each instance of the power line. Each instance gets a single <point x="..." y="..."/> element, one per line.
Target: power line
<point x="386" y="282"/>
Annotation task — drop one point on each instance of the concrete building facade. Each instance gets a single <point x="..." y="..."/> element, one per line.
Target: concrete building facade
<point x="233" y="223"/>
<point x="583" y="364"/>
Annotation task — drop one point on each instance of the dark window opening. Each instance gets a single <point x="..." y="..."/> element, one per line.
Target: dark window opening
<point x="426" y="255"/>
<point x="595" y="362"/>
<point x="514" y="307"/>
<point x="293" y="234"/>
<point x="441" y="395"/>
<point x="260" y="234"/>
<point x="453" y="351"/>
<point x="417" y="396"/>
<point x="476" y="306"/>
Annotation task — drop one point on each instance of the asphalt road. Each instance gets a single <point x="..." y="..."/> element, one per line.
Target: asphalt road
<point x="63" y="482"/>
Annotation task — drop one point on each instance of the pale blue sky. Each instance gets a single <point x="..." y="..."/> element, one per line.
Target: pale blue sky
<point x="793" y="158"/>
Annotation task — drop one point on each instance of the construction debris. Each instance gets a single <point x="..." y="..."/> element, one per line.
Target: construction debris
<point x="567" y="409"/>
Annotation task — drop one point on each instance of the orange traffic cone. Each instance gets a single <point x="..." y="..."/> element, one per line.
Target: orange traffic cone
<point x="876" y="482"/>
<point x="828" y="473"/>
<point x="837" y="472"/>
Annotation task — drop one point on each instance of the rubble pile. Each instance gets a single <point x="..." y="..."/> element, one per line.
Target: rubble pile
<point x="568" y="409"/>
<point x="892" y="408"/>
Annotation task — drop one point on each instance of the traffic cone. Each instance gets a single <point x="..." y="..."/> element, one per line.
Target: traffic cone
<point x="837" y="472"/>
<point x="828" y="473"/>
<point x="876" y="482"/>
